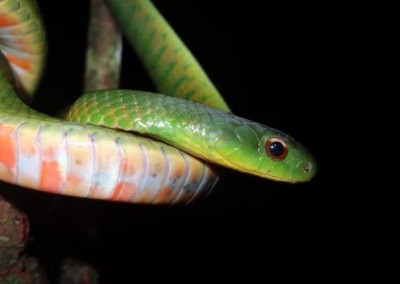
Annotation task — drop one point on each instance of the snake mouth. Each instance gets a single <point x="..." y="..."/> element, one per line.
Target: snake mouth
<point x="276" y="178"/>
<point x="309" y="170"/>
<point x="260" y="174"/>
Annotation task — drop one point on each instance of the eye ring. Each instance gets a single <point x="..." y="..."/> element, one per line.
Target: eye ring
<point x="276" y="149"/>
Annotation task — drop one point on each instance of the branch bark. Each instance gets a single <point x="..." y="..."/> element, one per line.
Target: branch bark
<point x="104" y="49"/>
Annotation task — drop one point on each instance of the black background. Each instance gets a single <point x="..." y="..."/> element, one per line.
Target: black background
<point x="281" y="65"/>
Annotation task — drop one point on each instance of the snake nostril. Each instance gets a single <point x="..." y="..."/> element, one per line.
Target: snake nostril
<point x="307" y="168"/>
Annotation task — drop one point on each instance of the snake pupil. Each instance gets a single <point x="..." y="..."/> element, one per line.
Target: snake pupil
<point x="276" y="149"/>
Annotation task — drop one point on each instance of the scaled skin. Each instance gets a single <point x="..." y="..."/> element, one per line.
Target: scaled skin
<point x="205" y="132"/>
<point x="52" y="155"/>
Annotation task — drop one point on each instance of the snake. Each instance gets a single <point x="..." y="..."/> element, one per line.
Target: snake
<point x="127" y="145"/>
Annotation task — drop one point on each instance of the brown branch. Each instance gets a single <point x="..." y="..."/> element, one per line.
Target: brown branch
<point x="103" y="56"/>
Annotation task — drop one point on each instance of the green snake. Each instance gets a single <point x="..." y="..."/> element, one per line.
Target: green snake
<point x="125" y="145"/>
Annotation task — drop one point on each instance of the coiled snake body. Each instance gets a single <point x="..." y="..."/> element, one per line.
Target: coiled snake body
<point x="96" y="152"/>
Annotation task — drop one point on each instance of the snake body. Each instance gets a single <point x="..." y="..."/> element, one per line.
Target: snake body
<point x="86" y="158"/>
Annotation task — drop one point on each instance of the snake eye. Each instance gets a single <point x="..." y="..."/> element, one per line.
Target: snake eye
<point x="276" y="149"/>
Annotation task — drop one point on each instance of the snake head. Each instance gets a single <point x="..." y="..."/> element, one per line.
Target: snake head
<point x="282" y="158"/>
<point x="266" y="152"/>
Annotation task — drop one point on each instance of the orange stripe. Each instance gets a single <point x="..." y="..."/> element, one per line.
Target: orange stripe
<point x="75" y="186"/>
<point x="74" y="180"/>
<point x="51" y="179"/>
<point x="7" y="20"/>
<point x="8" y="149"/>
<point x="164" y="194"/>
<point x="20" y="62"/>
<point x="124" y="192"/>
<point x="127" y="167"/>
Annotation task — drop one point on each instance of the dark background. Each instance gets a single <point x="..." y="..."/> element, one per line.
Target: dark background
<point x="276" y="64"/>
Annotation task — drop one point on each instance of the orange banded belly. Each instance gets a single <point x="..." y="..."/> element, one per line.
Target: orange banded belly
<point x="70" y="159"/>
